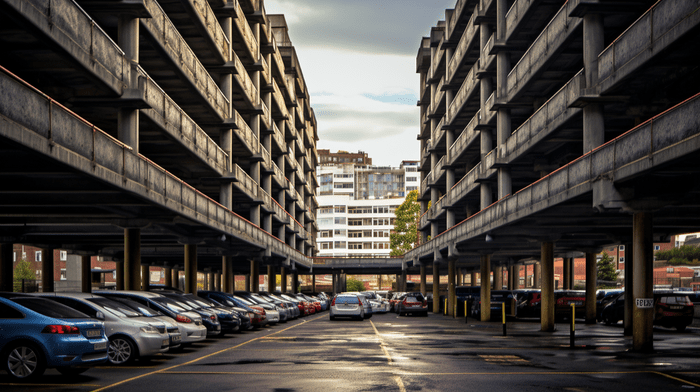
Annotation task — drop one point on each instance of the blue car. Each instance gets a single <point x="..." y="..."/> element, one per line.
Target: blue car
<point x="37" y="333"/>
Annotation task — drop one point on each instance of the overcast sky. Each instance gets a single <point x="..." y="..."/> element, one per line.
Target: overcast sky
<point x="359" y="61"/>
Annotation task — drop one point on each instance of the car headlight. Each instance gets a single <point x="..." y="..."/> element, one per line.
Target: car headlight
<point x="149" y="329"/>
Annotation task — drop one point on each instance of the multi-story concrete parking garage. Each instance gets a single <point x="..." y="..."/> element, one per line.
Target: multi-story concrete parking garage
<point x="554" y="127"/>
<point x="170" y="133"/>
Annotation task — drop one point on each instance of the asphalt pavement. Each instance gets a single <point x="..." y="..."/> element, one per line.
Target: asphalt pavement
<point x="392" y="353"/>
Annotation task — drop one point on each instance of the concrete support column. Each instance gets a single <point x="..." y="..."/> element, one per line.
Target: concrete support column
<point x="547" y="292"/>
<point x="451" y="290"/>
<point x="176" y="278"/>
<point x="537" y="275"/>
<point x="474" y="280"/>
<point x="47" y="284"/>
<point x="283" y="276"/>
<point x="168" y="274"/>
<point x="503" y="119"/>
<point x="128" y="118"/>
<point x="119" y="266"/>
<point x="643" y="267"/>
<point x="132" y="259"/>
<point x="6" y="267"/>
<point x="227" y="281"/>
<point x="190" y="269"/>
<point x="423" y="280"/>
<point x="403" y="280"/>
<point x="85" y="274"/>
<point x="254" y="276"/>
<point x="436" y="288"/>
<point x="313" y="283"/>
<point x="485" y="288"/>
<point x="335" y="284"/>
<point x="566" y="264"/>
<point x="629" y="289"/>
<point x="295" y="281"/>
<point x="145" y="277"/>
<point x="217" y="281"/>
<point x="593" y="44"/>
<point x="498" y="277"/>
<point x="271" y="279"/>
<point x="211" y="281"/>
<point x="591" y="284"/>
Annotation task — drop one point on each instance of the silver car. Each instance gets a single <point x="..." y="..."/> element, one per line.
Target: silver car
<point x="130" y="334"/>
<point x="347" y="305"/>
<point x="170" y="324"/>
<point x="190" y="323"/>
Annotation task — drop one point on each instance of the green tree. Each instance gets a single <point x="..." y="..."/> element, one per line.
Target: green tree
<point x="405" y="234"/>
<point x="23" y="270"/>
<point x="606" y="268"/>
<point x="354" y="285"/>
<point x="686" y="254"/>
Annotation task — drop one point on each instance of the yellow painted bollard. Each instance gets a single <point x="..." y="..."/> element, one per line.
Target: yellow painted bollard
<point x="466" y="317"/>
<point x="572" y="338"/>
<point x="445" y="306"/>
<point x="503" y="315"/>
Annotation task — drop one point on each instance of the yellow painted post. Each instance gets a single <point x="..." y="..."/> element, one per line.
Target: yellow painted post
<point x="503" y="315"/>
<point x="572" y="339"/>
<point x="445" y="306"/>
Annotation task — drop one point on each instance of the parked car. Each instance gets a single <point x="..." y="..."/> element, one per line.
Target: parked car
<point x="602" y="298"/>
<point x="379" y="304"/>
<point x="563" y="299"/>
<point x="529" y="302"/>
<point x="227" y="321"/>
<point x="413" y="303"/>
<point x="243" y="315"/>
<point x="272" y="315"/>
<point x="394" y="300"/>
<point x="190" y="323"/>
<point x="170" y="324"/>
<point x="498" y="299"/>
<point x="289" y="306"/>
<point x="38" y="334"/>
<point x="269" y="306"/>
<point x="256" y="313"/>
<point x="365" y="303"/>
<point x="131" y="335"/>
<point x="468" y="294"/>
<point x="347" y="305"/>
<point x="671" y="310"/>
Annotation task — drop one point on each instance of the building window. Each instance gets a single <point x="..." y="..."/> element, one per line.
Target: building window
<point x="340" y="232"/>
<point x="326" y="234"/>
<point x="14" y="256"/>
<point x="63" y="255"/>
<point x="63" y="274"/>
<point x="339" y="245"/>
<point x="355" y="245"/>
<point x="340" y="221"/>
<point x="657" y="247"/>
<point x="37" y="256"/>
<point x="412" y="179"/>
<point x="339" y="209"/>
<point x="622" y="247"/>
<point x="326" y="245"/>
<point x="38" y="274"/>
<point x="355" y="234"/>
<point x="622" y="260"/>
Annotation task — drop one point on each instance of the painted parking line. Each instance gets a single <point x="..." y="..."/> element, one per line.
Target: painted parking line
<point x="201" y="358"/>
<point x="382" y="344"/>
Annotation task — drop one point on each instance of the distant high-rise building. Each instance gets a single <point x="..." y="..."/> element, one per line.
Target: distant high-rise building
<point x="357" y="204"/>
<point x="326" y="157"/>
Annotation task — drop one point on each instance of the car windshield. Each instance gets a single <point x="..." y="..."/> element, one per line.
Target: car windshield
<point x="259" y="297"/>
<point x="49" y="308"/>
<point x="414" y="298"/>
<point x="114" y="307"/>
<point x="244" y="301"/>
<point x="170" y="304"/>
<point x="347" y="300"/>
<point x="144" y="310"/>
<point x="675" y="300"/>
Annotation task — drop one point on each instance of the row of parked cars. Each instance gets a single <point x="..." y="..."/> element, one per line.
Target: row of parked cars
<point x="357" y="305"/>
<point x="671" y="309"/>
<point x="73" y="331"/>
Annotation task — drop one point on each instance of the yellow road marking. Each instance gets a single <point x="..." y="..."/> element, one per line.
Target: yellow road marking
<point x="397" y="379"/>
<point x="677" y="379"/>
<point x="200" y="358"/>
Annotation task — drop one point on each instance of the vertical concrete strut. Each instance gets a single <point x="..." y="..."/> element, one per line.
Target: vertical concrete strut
<point x="591" y="284"/>
<point x="132" y="259"/>
<point x="547" y="292"/>
<point x="498" y="277"/>
<point x="436" y="288"/>
<point x="47" y="284"/>
<point x="643" y="267"/>
<point x="145" y="278"/>
<point x="191" y="268"/>
<point x="629" y="289"/>
<point x="6" y="267"/>
<point x="423" y="280"/>
<point x="503" y="119"/>
<point x="271" y="280"/>
<point x="227" y="280"/>
<point x="566" y="272"/>
<point x="283" y="277"/>
<point x="119" y="266"/>
<point x="128" y="118"/>
<point x="485" y="287"/>
<point x="593" y="44"/>
<point x="168" y="274"/>
<point x="85" y="274"/>
<point x="451" y="292"/>
<point x="537" y="275"/>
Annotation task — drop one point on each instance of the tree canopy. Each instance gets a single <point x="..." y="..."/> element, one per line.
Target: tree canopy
<point x="354" y="285"/>
<point x="686" y="254"/>
<point x="405" y="234"/>
<point x="606" y="268"/>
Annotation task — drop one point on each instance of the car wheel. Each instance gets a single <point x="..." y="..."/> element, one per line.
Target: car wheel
<point x="71" y="371"/>
<point x="24" y="361"/>
<point x="680" y="328"/>
<point x="332" y="317"/>
<point x="121" y="350"/>
<point x="607" y="320"/>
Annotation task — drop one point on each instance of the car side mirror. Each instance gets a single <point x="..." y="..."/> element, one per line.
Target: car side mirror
<point x="100" y="316"/>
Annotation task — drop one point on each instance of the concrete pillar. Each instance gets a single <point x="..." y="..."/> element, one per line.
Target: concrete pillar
<point x="591" y="284"/>
<point x="119" y="266"/>
<point x="403" y="280"/>
<point x="474" y="280"/>
<point x="451" y="291"/>
<point x="485" y="288"/>
<point x="175" y="277"/>
<point x="503" y="119"/>
<point x="313" y="283"/>
<point x="335" y="283"/>
<point x="566" y="273"/>
<point x="379" y="282"/>
<point x="190" y="269"/>
<point x="643" y="267"/>
<point x="629" y="289"/>
<point x="254" y="278"/>
<point x="168" y="274"/>
<point x="593" y="44"/>
<point x="271" y="279"/>
<point x="295" y="281"/>
<point x="211" y="281"/>
<point x="6" y="267"/>
<point x="547" y="293"/>
<point x="145" y="277"/>
<point x="132" y="259"/>
<point x="247" y="281"/>
<point x="85" y="274"/>
<point x="47" y="283"/>
<point x="283" y="284"/>
<point x="498" y="277"/>
<point x="423" y="280"/>
<point x="217" y="281"/>
<point x="128" y="118"/>
<point x="227" y="278"/>
<point x="537" y="276"/>
<point x="436" y="288"/>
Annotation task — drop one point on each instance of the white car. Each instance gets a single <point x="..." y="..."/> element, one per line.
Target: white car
<point x="347" y="305"/>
